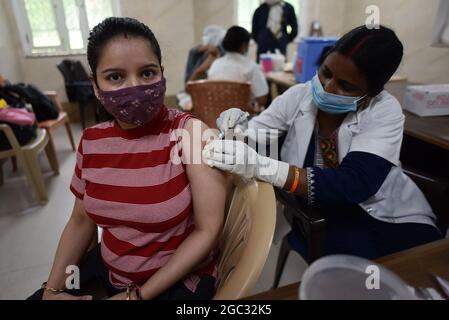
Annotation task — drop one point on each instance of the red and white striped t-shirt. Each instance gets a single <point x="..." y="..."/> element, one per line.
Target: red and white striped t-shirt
<point x="141" y="199"/>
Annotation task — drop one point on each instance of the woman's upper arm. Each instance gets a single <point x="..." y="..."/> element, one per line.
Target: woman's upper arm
<point x="208" y="185"/>
<point x="79" y="213"/>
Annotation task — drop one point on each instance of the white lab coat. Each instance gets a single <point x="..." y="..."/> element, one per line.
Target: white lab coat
<point x="377" y="129"/>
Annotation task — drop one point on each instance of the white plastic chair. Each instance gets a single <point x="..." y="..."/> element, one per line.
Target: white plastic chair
<point x="246" y="238"/>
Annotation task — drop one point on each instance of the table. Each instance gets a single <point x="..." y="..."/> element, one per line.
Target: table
<point x="426" y="144"/>
<point x="282" y="78"/>
<point x="414" y="266"/>
<point x="433" y="130"/>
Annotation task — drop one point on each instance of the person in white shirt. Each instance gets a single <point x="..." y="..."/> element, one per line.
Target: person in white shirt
<point x="235" y="65"/>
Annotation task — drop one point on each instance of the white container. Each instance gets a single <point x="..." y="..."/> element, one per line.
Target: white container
<point x="278" y="61"/>
<point x="272" y="61"/>
<point x="344" y="277"/>
<point x="427" y="100"/>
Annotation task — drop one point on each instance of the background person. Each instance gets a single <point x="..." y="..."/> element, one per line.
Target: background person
<point x="160" y="220"/>
<point x="236" y="66"/>
<point x="271" y="21"/>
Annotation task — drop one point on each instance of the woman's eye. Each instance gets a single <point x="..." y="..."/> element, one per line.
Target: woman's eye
<point x="348" y="88"/>
<point x="114" y="77"/>
<point x="147" y="74"/>
<point x="325" y="73"/>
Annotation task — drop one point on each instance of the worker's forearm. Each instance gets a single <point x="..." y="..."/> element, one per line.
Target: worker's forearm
<point x="74" y="242"/>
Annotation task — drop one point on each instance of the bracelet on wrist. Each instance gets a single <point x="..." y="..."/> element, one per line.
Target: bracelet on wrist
<point x="130" y="289"/>
<point x="295" y="181"/>
<point x="50" y="289"/>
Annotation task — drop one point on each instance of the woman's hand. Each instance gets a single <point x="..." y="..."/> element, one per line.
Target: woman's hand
<point x="239" y="158"/>
<point x="63" y="296"/>
<point x="74" y="242"/>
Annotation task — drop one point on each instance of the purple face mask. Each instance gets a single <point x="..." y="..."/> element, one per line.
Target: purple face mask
<point x="135" y="105"/>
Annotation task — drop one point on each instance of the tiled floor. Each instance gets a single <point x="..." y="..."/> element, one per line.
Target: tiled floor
<point x="29" y="233"/>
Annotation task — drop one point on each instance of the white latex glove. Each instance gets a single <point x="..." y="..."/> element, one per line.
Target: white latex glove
<point x="233" y="119"/>
<point x="239" y="158"/>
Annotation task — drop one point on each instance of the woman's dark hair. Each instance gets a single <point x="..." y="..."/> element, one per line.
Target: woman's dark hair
<point x="235" y="38"/>
<point x="376" y="52"/>
<point x="110" y="28"/>
<point x="323" y="55"/>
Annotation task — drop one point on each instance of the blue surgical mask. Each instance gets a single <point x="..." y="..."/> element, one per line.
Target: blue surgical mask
<point x="332" y="103"/>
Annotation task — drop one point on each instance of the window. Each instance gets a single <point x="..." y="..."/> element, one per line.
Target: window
<point x="55" y="27"/>
<point x="246" y="8"/>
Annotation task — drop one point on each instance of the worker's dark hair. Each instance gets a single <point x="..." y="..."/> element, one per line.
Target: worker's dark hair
<point x="235" y="38"/>
<point x="111" y="28"/>
<point x="323" y="55"/>
<point x="376" y="52"/>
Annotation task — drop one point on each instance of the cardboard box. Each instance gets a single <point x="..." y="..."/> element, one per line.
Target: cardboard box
<point x="427" y="100"/>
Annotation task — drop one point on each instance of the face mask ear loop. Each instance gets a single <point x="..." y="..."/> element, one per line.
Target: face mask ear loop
<point x="360" y="100"/>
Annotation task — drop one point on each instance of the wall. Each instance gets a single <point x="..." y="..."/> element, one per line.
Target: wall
<point x="208" y="12"/>
<point x="10" y="66"/>
<point x="178" y="25"/>
<point x="331" y="14"/>
<point x="41" y="71"/>
<point x="171" y="20"/>
<point x="413" y="21"/>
